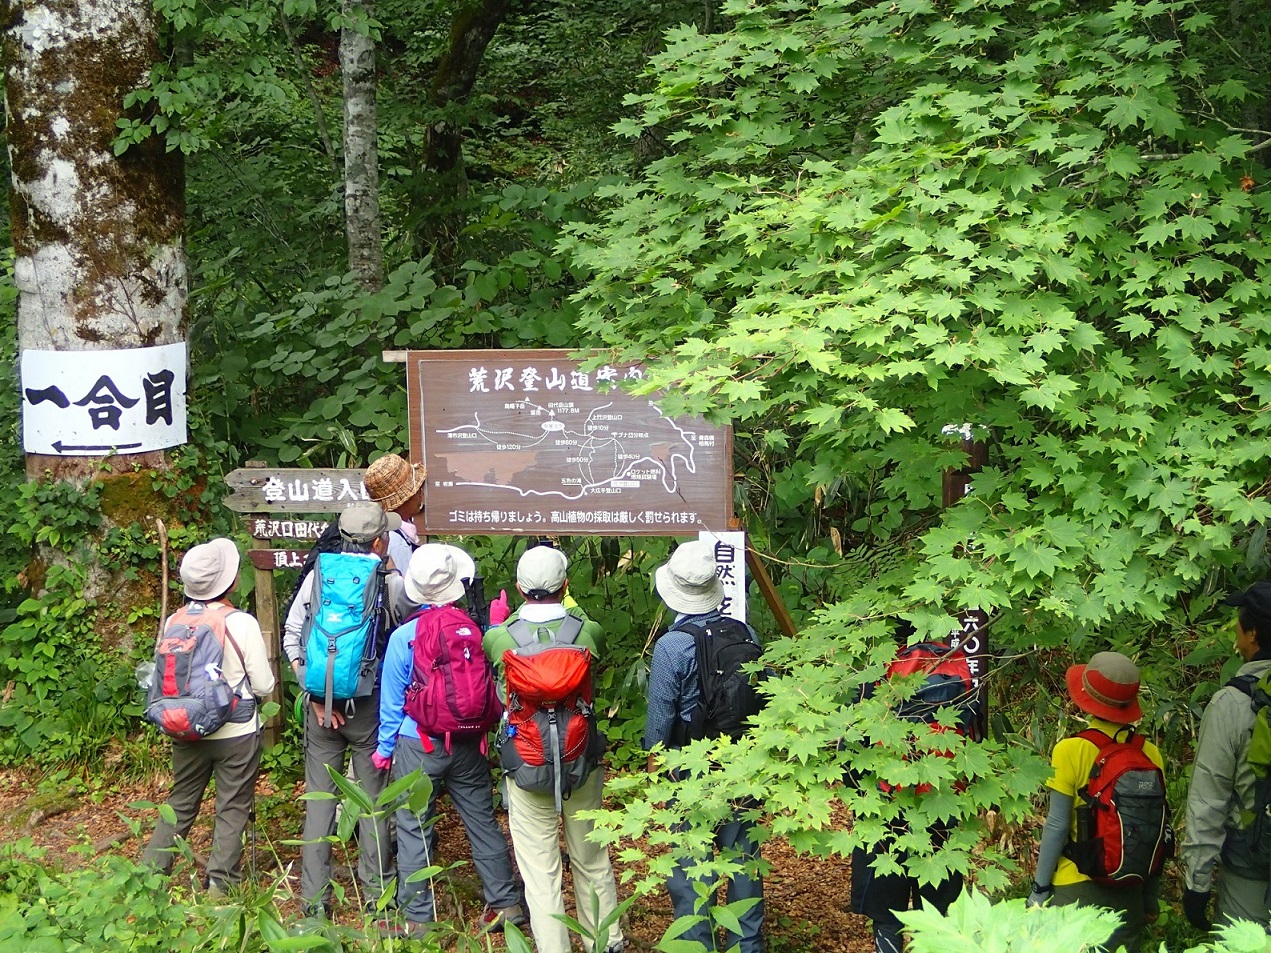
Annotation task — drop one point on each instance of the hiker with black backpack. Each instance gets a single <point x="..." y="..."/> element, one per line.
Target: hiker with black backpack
<point x="1227" y="827"/>
<point x="946" y="686"/>
<point x="1107" y="833"/>
<point x="334" y="639"/>
<point x="551" y="750"/>
<point x="437" y="702"/>
<point x="698" y="689"/>
<point x="211" y="669"/>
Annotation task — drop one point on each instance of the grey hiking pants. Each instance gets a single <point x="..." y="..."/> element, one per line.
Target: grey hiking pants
<point x="329" y="746"/>
<point x="463" y="772"/>
<point x="234" y="763"/>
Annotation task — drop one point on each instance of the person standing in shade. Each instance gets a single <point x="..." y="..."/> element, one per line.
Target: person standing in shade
<point x="689" y="585"/>
<point x="350" y="730"/>
<point x="457" y="763"/>
<point x="1220" y="797"/>
<point x="532" y="818"/>
<point x="209" y="574"/>
<point x="398" y="487"/>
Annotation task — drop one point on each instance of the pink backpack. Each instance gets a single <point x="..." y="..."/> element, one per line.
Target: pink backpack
<point x="452" y="687"/>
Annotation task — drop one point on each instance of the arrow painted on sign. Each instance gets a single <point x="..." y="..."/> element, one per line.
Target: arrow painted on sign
<point x="63" y="448"/>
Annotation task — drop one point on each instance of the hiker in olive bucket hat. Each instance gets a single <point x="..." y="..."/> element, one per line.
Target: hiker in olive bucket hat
<point x="1107" y="690"/>
<point x="1222" y="792"/>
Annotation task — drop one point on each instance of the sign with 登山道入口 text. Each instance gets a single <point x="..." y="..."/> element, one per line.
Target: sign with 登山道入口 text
<point x="537" y="441"/>
<point x="94" y="403"/>
<point x="263" y="490"/>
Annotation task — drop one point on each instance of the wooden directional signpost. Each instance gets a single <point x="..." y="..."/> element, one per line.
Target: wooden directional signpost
<point x="272" y="497"/>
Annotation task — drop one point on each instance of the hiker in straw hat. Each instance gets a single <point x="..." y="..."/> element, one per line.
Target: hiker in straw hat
<point x="398" y="487"/>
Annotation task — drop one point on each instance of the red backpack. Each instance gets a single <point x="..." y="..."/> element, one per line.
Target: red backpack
<point x="1123" y="828"/>
<point x="552" y="743"/>
<point x="452" y="690"/>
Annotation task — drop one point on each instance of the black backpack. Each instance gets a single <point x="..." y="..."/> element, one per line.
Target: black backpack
<point x="328" y="542"/>
<point x="728" y="695"/>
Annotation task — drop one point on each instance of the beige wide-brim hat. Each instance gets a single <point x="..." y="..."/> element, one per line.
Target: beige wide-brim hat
<point x="436" y="573"/>
<point x="209" y="569"/>
<point x="390" y="481"/>
<point x="688" y="582"/>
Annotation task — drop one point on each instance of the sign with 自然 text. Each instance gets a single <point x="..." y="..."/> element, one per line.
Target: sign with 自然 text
<point x="730" y="566"/>
<point x="531" y="442"/>
<point x="93" y="403"/>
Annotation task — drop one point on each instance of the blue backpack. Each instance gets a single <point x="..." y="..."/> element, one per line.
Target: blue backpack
<point x="343" y="628"/>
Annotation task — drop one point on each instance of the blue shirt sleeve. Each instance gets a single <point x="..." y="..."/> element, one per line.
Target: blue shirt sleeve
<point x="673" y="687"/>
<point x="398" y="660"/>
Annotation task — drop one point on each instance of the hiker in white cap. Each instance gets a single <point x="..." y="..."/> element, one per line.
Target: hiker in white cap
<point x="231" y="754"/>
<point x="454" y="757"/>
<point x="540" y="626"/>
<point x="689" y="585"/>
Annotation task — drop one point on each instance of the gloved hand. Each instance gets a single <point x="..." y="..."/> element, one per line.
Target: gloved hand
<point x="499" y="610"/>
<point x="381" y="763"/>
<point x="1195" y="903"/>
<point x="1039" y="894"/>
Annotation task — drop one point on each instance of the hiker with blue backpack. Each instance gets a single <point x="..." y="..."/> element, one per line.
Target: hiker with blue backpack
<point x="698" y="689"/>
<point x="944" y="685"/>
<point x="551" y="751"/>
<point x="438" y="701"/>
<point x="1228" y="826"/>
<point x="1107" y="834"/>
<point x="334" y="639"/>
<point x="211" y="670"/>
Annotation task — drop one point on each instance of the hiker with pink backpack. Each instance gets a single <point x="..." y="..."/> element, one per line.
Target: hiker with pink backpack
<point x="437" y="703"/>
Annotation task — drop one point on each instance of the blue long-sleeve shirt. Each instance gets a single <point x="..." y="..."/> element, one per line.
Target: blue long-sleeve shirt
<point x="399" y="661"/>
<point x="674" y="687"/>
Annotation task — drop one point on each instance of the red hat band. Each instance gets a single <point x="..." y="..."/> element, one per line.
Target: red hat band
<point x="1107" y="692"/>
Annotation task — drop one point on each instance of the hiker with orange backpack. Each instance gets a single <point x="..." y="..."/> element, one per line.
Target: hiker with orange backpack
<point x="1107" y="834"/>
<point x="1226" y="801"/>
<point x="946" y="686"/>
<point x="551" y="751"/>
<point x="437" y="702"/>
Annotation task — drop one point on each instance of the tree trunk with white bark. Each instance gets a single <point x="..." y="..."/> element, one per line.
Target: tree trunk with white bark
<point x="361" y="154"/>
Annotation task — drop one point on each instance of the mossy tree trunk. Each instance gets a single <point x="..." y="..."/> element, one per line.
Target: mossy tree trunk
<point x="100" y="263"/>
<point x="361" y="155"/>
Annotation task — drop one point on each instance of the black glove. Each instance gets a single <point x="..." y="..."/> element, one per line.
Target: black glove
<point x="1194" y="904"/>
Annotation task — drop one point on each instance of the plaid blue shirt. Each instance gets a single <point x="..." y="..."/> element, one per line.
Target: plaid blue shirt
<point x="673" y="683"/>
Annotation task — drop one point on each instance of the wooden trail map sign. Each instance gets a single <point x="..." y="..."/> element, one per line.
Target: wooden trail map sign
<point x="529" y="442"/>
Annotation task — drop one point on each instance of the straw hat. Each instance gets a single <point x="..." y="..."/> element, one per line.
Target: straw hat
<point x="391" y="481"/>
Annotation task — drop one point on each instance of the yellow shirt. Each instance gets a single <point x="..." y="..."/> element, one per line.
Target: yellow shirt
<point x="1072" y="760"/>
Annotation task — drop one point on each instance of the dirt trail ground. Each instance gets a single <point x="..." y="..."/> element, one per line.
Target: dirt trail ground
<point x="804" y="898"/>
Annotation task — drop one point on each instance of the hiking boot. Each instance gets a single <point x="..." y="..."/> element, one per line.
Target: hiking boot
<point x="493" y="919"/>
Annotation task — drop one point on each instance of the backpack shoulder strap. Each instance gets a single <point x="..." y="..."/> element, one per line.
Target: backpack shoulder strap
<point x="519" y="629"/>
<point x="1244" y="683"/>
<point x="1095" y="737"/>
<point x="569" y="629"/>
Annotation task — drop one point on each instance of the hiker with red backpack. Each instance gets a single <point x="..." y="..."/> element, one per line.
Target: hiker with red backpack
<point x="551" y="751"/>
<point x="211" y="668"/>
<point x="1226" y="820"/>
<point x="437" y="702"/>
<point x="1107" y="833"/>
<point x="946" y="685"/>
<point x="697" y="689"/>
<point x="334" y="639"/>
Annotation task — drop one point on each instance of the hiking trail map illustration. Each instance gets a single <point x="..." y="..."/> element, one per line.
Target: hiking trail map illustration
<point x="529" y="442"/>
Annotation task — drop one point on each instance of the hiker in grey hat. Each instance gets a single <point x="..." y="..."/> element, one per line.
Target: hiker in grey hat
<point x="1221" y="795"/>
<point x="347" y="731"/>
<point x="209" y="573"/>
<point x="690" y="586"/>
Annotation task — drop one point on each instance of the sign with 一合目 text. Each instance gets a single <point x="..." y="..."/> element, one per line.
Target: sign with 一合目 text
<point x="93" y="403"/>
<point x="530" y="442"/>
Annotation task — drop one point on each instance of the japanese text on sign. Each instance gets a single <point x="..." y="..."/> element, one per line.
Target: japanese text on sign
<point x="90" y="403"/>
<point x="730" y="566"/>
